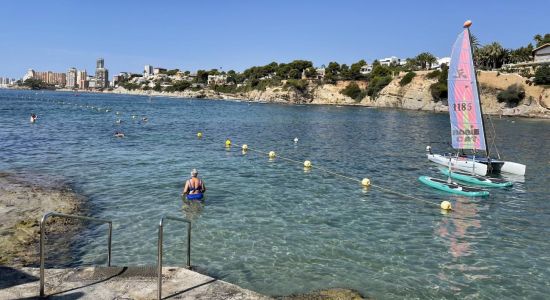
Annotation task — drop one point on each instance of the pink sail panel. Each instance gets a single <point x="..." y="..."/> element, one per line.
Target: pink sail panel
<point x="467" y="130"/>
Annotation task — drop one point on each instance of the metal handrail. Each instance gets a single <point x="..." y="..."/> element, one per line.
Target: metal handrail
<point x="43" y="233"/>
<point x="159" y="258"/>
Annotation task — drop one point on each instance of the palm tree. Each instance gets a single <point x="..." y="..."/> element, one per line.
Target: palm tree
<point x="538" y="39"/>
<point x="475" y="42"/>
<point x="495" y="53"/>
<point x="425" y="59"/>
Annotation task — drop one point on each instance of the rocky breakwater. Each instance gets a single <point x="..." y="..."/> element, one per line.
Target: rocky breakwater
<point x="23" y="201"/>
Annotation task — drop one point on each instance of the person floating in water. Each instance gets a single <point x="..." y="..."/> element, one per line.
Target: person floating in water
<point x="33" y="118"/>
<point x="194" y="187"/>
<point x="119" y="134"/>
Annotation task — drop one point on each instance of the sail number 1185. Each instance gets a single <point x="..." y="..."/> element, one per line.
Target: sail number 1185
<point x="462" y="106"/>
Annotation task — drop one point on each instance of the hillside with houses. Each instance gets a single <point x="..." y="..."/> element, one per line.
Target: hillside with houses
<point x="513" y="81"/>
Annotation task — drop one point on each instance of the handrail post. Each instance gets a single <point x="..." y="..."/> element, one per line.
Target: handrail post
<point x="43" y="235"/>
<point x="159" y="247"/>
<point x="159" y="260"/>
<point x="189" y="246"/>
<point x="109" y="255"/>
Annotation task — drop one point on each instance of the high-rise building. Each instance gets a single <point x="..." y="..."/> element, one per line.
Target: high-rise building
<point x="101" y="75"/>
<point x="147" y="70"/>
<point x="49" y="77"/>
<point x="72" y="81"/>
<point x="82" y="79"/>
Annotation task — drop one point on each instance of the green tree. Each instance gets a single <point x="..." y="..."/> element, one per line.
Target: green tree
<point x="407" y="78"/>
<point x="474" y="41"/>
<point x="353" y="91"/>
<point x="380" y="71"/>
<point x="331" y="72"/>
<point x="355" y="70"/>
<point x="171" y="72"/>
<point x="345" y="72"/>
<point x="542" y="75"/>
<point x="297" y="84"/>
<point x="512" y="95"/>
<point x="425" y="60"/>
<point x="541" y="40"/>
<point x="311" y="72"/>
<point x="157" y="87"/>
<point x="130" y="86"/>
<point x="294" y="74"/>
<point x="521" y="54"/>
<point x="232" y="77"/>
<point x="439" y="90"/>
<point x="376" y="84"/>
<point x="202" y="76"/>
<point x="35" y="84"/>
<point x="412" y="64"/>
<point x="494" y="55"/>
<point x="178" y="86"/>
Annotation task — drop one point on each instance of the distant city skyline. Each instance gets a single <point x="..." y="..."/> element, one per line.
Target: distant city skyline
<point x="237" y="35"/>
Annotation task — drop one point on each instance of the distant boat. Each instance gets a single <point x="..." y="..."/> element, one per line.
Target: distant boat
<point x="467" y="124"/>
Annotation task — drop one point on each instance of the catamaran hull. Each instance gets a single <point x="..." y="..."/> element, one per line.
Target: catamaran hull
<point x="482" y="165"/>
<point x="513" y="168"/>
<point x="461" y="163"/>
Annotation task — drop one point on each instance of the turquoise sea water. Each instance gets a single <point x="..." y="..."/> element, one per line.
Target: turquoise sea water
<point x="272" y="227"/>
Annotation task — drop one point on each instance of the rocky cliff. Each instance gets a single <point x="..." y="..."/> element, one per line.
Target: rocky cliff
<point x="415" y="95"/>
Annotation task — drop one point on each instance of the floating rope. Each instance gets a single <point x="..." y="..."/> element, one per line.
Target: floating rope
<point x="345" y="176"/>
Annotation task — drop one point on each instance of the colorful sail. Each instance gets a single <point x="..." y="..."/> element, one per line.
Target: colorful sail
<point x="467" y="130"/>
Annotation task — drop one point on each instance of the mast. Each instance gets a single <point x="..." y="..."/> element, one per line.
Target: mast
<point x="467" y="25"/>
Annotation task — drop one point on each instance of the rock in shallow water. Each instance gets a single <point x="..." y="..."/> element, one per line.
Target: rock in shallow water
<point x="329" y="294"/>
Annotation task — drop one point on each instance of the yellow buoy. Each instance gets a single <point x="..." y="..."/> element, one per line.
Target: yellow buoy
<point x="228" y="143"/>
<point x="446" y="205"/>
<point x="307" y="164"/>
<point x="272" y="154"/>
<point x="199" y="134"/>
<point x="365" y="182"/>
<point x="245" y="147"/>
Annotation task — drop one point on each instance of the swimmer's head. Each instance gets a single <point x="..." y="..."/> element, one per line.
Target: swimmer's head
<point x="194" y="173"/>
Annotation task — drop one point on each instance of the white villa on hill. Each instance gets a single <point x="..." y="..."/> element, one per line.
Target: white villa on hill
<point x="390" y="60"/>
<point x="366" y="69"/>
<point x="440" y="61"/>
<point x="542" y="54"/>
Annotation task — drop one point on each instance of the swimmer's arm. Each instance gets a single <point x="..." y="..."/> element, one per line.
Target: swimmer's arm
<point x="203" y="187"/>
<point x="186" y="188"/>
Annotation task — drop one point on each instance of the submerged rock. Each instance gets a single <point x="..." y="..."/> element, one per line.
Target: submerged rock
<point x="328" y="294"/>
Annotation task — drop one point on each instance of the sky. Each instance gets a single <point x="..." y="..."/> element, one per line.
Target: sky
<point x="206" y="34"/>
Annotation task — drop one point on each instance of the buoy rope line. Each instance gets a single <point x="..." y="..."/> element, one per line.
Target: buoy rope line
<point x="344" y="176"/>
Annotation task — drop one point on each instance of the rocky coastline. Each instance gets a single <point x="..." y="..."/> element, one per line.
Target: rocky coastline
<point x="414" y="96"/>
<point x="24" y="198"/>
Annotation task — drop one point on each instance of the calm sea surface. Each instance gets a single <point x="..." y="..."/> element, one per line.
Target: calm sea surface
<point x="272" y="227"/>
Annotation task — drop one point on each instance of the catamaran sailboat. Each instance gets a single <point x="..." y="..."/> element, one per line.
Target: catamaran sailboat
<point x="467" y="124"/>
